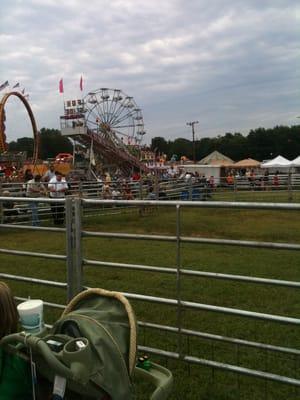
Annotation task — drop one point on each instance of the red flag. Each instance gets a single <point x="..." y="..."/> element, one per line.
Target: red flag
<point x="81" y="83"/>
<point x="61" y="86"/>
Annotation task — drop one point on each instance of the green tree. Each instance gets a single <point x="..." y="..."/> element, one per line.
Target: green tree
<point x="52" y="143"/>
<point x="233" y="145"/>
<point x="260" y="144"/>
<point x="181" y="147"/>
<point x="159" y="145"/>
<point x="22" y="144"/>
<point x="204" y="146"/>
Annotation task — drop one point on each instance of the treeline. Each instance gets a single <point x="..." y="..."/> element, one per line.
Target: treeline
<point x="51" y="143"/>
<point x="260" y="144"/>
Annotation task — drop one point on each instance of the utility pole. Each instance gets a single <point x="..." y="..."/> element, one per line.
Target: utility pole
<point x="193" y="132"/>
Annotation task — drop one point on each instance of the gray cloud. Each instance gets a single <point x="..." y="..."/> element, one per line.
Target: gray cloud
<point x="232" y="65"/>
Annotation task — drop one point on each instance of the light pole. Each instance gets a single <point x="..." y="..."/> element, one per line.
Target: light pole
<point x="193" y="132"/>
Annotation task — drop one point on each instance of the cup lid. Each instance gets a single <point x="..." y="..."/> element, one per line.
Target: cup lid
<point x="29" y="304"/>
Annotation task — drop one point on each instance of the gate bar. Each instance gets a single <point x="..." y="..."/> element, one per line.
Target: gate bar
<point x="223" y="366"/>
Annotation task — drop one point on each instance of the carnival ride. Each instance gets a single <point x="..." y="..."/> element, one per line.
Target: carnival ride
<point x="110" y="124"/>
<point x="3" y="141"/>
<point x="106" y="121"/>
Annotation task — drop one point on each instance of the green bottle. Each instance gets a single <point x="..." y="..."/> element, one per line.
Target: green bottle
<point x="140" y="363"/>
<point x="146" y="363"/>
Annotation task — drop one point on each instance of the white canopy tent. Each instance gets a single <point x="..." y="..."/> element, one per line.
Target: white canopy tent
<point x="296" y="162"/>
<point x="277" y="162"/>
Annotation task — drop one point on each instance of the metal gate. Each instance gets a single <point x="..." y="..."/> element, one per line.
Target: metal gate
<point x="76" y="262"/>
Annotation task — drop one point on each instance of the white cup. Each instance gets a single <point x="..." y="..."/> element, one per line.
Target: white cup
<point x="31" y="315"/>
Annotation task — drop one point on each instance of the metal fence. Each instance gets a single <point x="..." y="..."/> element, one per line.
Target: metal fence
<point x="76" y="262"/>
<point x="192" y="188"/>
<point x="240" y="188"/>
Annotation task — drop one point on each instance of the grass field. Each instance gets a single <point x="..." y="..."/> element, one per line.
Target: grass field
<point x="191" y="382"/>
<point x="257" y="195"/>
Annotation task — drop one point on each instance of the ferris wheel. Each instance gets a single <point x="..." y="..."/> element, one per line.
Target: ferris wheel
<point x="115" y="116"/>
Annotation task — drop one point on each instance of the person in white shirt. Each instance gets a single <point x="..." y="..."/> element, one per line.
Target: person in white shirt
<point x="172" y="172"/>
<point x="49" y="174"/>
<point x="57" y="188"/>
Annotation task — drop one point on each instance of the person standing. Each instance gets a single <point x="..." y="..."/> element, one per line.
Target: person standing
<point x="265" y="180"/>
<point x="27" y="177"/>
<point x="57" y="188"/>
<point x="136" y="176"/>
<point x="48" y="175"/>
<point x="106" y="192"/>
<point x="34" y="188"/>
<point x="276" y="181"/>
<point x="151" y="195"/>
<point x="126" y="192"/>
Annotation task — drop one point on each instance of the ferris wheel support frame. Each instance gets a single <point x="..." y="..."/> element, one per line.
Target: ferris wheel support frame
<point x="3" y="143"/>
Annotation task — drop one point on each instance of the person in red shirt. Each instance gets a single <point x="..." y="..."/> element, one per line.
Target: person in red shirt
<point x="136" y="176"/>
<point x="276" y="181"/>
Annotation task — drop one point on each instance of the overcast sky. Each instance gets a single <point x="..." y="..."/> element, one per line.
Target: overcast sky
<point x="232" y="65"/>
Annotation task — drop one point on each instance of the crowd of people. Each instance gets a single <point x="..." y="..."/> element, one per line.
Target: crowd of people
<point x="52" y="184"/>
<point x="255" y="180"/>
<point x="153" y="185"/>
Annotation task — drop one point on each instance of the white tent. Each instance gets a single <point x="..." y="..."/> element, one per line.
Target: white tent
<point x="277" y="162"/>
<point x="296" y="162"/>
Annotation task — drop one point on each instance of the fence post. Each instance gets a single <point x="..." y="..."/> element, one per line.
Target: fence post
<point x="141" y="188"/>
<point x="190" y="188"/>
<point x="78" y="245"/>
<point x="235" y="188"/>
<point x="1" y="205"/>
<point x="178" y="280"/>
<point x="73" y="243"/>
<point x="80" y="189"/>
<point x="69" y="248"/>
<point x="156" y="185"/>
<point x="290" y="188"/>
